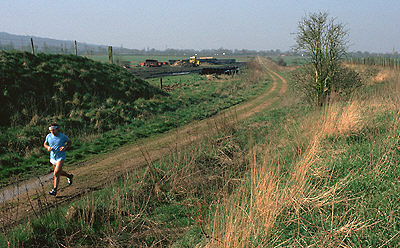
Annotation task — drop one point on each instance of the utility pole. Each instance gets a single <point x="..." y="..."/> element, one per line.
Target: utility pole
<point x="32" y="47"/>
<point x="110" y="56"/>
<point x="76" y="49"/>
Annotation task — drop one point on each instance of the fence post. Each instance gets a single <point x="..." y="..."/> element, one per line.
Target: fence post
<point x="76" y="49"/>
<point x="32" y="47"/>
<point x="160" y="83"/>
<point x="110" y="56"/>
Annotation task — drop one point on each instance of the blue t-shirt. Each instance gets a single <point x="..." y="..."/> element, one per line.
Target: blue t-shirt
<point x="56" y="142"/>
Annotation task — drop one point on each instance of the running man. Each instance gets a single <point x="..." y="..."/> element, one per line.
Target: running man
<point x="56" y="143"/>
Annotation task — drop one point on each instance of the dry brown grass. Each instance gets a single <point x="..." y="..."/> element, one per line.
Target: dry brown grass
<point x="256" y="70"/>
<point x="350" y="121"/>
<point x="248" y="218"/>
<point x="268" y="195"/>
<point x="393" y="90"/>
<point x="342" y="120"/>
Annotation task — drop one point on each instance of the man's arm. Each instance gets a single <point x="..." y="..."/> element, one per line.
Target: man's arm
<point x="64" y="148"/>
<point x="46" y="145"/>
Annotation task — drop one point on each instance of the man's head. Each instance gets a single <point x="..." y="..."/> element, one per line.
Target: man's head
<point x="53" y="128"/>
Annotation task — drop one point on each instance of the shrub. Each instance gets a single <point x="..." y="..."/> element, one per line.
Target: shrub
<point x="281" y="62"/>
<point x="345" y="81"/>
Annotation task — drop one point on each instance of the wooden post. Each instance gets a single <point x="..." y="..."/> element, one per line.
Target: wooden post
<point x="160" y="83"/>
<point x="32" y="47"/>
<point x="110" y="56"/>
<point x="76" y="49"/>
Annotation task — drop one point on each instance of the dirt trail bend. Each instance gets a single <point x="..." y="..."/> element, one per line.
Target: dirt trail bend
<point x="30" y="197"/>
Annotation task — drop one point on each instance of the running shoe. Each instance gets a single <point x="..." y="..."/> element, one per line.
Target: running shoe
<point x="70" y="177"/>
<point x="53" y="192"/>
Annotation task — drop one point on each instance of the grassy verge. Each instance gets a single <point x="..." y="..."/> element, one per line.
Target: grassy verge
<point x="291" y="176"/>
<point x="163" y="205"/>
<point x="330" y="178"/>
<point x="159" y="191"/>
<point x="191" y="97"/>
<point x="155" y="206"/>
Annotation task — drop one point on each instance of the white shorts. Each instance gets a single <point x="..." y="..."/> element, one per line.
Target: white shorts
<point x="54" y="162"/>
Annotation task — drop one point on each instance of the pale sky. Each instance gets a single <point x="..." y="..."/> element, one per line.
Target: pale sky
<point x="374" y="25"/>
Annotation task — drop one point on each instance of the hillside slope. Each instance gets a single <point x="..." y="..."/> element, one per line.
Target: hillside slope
<point x="51" y="85"/>
<point x="87" y="97"/>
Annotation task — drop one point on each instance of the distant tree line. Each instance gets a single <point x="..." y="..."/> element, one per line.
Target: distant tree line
<point x="17" y="42"/>
<point x="85" y="49"/>
<point x="10" y="42"/>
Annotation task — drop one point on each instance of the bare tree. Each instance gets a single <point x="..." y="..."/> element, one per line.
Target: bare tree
<point x="325" y="42"/>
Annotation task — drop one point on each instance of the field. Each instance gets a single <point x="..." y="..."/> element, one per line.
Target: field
<point x="190" y="97"/>
<point x="277" y="173"/>
<point x="135" y="60"/>
<point x="319" y="176"/>
<point x="151" y="149"/>
<point x="290" y="60"/>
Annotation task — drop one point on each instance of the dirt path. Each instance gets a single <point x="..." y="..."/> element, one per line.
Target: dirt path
<point x="30" y="198"/>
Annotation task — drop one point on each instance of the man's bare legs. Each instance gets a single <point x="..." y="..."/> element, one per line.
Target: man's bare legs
<point x="58" y="172"/>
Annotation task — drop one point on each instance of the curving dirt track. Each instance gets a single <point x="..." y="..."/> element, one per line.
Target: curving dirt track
<point x="30" y="197"/>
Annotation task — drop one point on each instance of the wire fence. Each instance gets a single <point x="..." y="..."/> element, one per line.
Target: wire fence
<point x="389" y="62"/>
<point x="50" y="46"/>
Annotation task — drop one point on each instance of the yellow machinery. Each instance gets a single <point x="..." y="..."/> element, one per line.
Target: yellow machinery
<point x="194" y="61"/>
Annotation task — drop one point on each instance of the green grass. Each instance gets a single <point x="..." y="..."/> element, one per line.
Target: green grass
<point x="136" y="215"/>
<point x="193" y="97"/>
<point x="291" y="60"/>
<point x="85" y="96"/>
<point x="187" y="181"/>
<point x="349" y="192"/>
<point x="350" y="195"/>
<point x="368" y="198"/>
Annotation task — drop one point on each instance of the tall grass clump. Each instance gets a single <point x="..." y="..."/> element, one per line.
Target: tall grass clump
<point x="249" y="216"/>
<point x="336" y="191"/>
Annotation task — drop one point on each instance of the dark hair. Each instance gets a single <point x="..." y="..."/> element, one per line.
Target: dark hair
<point x="53" y="124"/>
